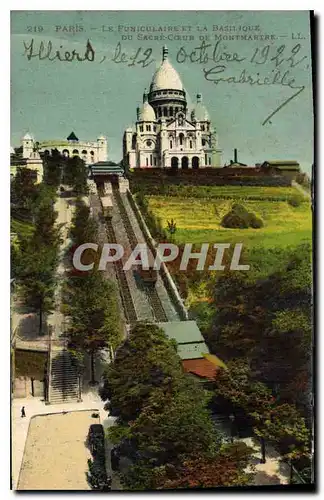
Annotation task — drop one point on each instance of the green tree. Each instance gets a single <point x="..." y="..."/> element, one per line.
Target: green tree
<point x="84" y="228"/>
<point x="75" y="174"/>
<point x="37" y="279"/>
<point x="228" y="467"/>
<point x="23" y="189"/>
<point x="53" y="168"/>
<point x="171" y="227"/>
<point x="95" y="322"/>
<point x="267" y="322"/>
<point x="282" y="424"/>
<point x="146" y="360"/>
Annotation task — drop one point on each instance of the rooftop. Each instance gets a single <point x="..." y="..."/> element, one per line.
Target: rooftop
<point x="200" y="367"/>
<point x="182" y="331"/>
<point x="72" y="137"/>
<point x="105" y="168"/>
<point x="195" y="350"/>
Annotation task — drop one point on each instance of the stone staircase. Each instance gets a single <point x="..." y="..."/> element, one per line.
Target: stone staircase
<point x="64" y="381"/>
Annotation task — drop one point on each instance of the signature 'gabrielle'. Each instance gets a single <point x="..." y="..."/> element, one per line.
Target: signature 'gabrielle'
<point x="46" y="51"/>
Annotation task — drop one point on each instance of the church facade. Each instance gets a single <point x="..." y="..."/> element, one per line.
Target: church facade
<point x="166" y="133"/>
<point x="89" y="151"/>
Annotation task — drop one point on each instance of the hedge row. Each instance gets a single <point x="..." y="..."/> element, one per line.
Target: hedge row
<point x="137" y="183"/>
<point x="207" y="196"/>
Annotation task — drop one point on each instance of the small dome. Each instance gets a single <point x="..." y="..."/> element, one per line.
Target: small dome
<point x="28" y="137"/>
<point x="200" y="112"/>
<point x="147" y="113"/>
<point x="166" y="76"/>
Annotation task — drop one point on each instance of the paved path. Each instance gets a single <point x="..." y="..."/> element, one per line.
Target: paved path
<point x="36" y="406"/>
<point x="274" y="471"/>
<point x="65" y="208"/>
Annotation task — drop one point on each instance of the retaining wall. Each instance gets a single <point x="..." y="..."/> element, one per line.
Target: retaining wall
<point x="164" y="272"/>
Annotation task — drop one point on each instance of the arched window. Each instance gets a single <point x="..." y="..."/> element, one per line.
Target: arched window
<point x="75" y="152"/>
<point x="66" y="153"/>
<point x="190" y="144"/>
<point x="84" y="152"/>
<point x="171" y="111"/>
<point x="210" y="160"/>
<point x="151" y="160"/>
<point x="174" y="162"/>
<point x="203" y="128"/>
<point x="171" y="145"/>
<point x="148" y="128"/>
<point x="165" y="111"/>
<point x="147" y="162"/>
<point x="203" y="142"/>
<point x="184" y="162"/>
<point x="195" y="162"/>
<point x="141" y="128"/>
<point x="181" y="136"/>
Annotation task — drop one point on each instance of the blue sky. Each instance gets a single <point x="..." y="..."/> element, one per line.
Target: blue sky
<point x="51" y="98"/>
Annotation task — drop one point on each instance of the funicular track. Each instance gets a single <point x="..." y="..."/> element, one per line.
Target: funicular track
<point x="125" y="294"/>
<point x="151" y="292"/>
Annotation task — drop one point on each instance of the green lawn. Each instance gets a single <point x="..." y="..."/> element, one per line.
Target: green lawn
<point x="198" y="221"/>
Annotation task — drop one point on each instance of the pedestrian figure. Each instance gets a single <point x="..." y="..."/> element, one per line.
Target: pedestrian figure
<point x="23" y="414"/>
<point x="114" y="458"/>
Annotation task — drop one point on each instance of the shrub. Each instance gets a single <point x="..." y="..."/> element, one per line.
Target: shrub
<point x="295" y="201"/>
<point x="240" y="218"/>
<point x="255" y="221"/>
<point x="97" y="476"/>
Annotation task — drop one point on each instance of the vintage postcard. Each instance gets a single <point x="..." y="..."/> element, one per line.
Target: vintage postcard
<point x="161" y="171"/>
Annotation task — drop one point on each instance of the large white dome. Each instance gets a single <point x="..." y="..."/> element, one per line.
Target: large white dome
<point x="28" y="137"/>
<point x="166" y="76"/>
<point x="146" y="113"/>
<point x="199" y="111"/>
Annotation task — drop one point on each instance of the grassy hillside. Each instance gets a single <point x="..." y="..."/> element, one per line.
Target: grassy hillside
<point x="198" y="220"/>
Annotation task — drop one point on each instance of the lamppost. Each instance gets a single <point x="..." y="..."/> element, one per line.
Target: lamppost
<point x="232" y="419"/>
<point x="263" y="450"/>
<point x="291" y="472"/>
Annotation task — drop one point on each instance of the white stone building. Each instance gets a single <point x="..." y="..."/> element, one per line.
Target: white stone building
<point x="167" y="134"/>
<point x="89" y="151"/>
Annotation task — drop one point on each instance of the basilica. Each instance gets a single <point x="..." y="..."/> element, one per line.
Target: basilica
<point x="166" y="133"/>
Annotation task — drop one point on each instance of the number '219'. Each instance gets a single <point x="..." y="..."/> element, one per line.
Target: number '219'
<point x="35" y="29"/>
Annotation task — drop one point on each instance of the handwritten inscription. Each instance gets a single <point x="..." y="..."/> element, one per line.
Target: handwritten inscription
<point x="274" y="57"/>
<point x="46" y="51"/>
<point x="218" y="63"/>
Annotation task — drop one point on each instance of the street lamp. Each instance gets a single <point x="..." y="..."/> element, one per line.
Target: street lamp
<point x="232" y="418"/>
